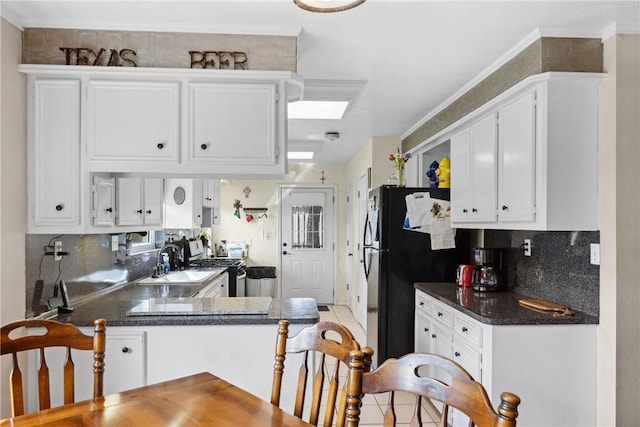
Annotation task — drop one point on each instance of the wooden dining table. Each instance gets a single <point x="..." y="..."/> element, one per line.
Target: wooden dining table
<point x="196" y="400"/>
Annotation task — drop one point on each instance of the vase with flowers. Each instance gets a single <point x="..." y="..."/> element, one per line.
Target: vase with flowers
<point x="399" y="159"/>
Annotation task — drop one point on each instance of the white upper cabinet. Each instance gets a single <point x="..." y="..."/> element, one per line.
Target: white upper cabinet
<point x="129" y="122"/>
<point x="104" y="201"/>
<point x="54" y="155"/>
<point x="474" y="172"/>
<point x="139" y="201"/>
<point x="516" y="168"/>
<point x="211" y="193"/>
<point x="232" y="124"/>
<point x="181" y="122"/>
<point x="183" y="203"/>
<point x="539" y="172"/>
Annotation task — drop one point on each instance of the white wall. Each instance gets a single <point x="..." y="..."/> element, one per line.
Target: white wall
<point x="618" y="375"/>
<point x="13" y="190"/>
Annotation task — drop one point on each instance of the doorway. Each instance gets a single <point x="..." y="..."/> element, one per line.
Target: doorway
<point x="349" y="252"/>
<point x="307" y="243"/>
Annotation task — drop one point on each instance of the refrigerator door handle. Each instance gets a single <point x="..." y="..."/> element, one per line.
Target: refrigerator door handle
<point x="366" y="245"/>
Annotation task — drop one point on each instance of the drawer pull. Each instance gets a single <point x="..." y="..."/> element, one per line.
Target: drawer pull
<point x="456" y="354"/>
<point x="160" y="146"/>
<point x="426" y="329"/>
<point x="433" y="335"/>
<point x="59" y="207"/>
<point x="421" y="303"/>
<point x="464" y="329"/>
<point x="126" y="349"/>
<point x="439" y="314"/>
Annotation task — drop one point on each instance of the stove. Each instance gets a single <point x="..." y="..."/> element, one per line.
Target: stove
<point x="217" y="262"/>
<point x="235" y="268"/>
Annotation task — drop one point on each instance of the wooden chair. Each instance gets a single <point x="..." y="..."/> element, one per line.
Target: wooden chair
<point x="320" y="339"/>
<point x="57" y="335"/>
<point x="461" y="391"/>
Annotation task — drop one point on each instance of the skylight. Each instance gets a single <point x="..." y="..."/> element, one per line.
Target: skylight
<point x="333" y="110"/>
<point x="300" y="155"/>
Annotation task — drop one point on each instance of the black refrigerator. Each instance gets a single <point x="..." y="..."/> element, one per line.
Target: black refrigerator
<point x="394" y="258"/>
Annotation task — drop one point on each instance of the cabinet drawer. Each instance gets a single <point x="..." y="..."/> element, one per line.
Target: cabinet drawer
<point x="466" y="329"/>
<point x="442" y="314"/>
<point x="423" y="303"/>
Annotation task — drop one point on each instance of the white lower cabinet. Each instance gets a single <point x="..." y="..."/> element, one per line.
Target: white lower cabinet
<point x="219" y="287"/>
<point x="551" y="367"/>
<point x="125" y="365"/>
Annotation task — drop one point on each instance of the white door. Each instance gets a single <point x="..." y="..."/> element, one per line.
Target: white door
<point x="361" y="299"/>
<point x="349" y="243"/>
<point x="307" y="239"/>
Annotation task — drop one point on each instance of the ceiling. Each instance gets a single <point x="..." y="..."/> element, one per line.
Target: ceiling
<point x="415" y="56"/>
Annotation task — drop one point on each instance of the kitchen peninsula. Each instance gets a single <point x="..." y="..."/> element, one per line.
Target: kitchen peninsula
<point x="143" y="349"/>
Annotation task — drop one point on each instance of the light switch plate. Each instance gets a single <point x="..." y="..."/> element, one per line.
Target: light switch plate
<point x="594" y="253"/>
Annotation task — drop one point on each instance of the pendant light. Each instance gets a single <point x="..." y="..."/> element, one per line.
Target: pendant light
<point x="325" y="6"/>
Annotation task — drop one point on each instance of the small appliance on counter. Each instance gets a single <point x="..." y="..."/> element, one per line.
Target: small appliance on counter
<point x="221" y="249"/>
<point x="464" y="274"/>
<point x="488" y="274"/>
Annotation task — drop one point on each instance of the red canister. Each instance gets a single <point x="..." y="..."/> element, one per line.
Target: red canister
<point x="465" y="273"/>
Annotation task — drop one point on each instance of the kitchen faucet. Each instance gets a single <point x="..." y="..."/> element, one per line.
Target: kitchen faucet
<point x="158" y="270"/>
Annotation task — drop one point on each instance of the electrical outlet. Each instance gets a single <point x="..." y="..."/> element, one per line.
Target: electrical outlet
<point x="114" y="243"/>
<point x="594" y="253"/>
<point x="527" y="247"/>
<point x="57" y="248"/>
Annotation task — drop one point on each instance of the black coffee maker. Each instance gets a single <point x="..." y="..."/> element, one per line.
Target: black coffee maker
<point x="488" y="275"/>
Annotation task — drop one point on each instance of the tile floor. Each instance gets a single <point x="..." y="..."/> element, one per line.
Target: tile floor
<point x="373" y="406"/>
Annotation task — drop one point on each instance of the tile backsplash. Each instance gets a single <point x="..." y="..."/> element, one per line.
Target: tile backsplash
<point x="558" y="269"/>
<point x="89" y="267"/>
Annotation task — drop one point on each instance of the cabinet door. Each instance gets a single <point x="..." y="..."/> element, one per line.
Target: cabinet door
<point x="125" y="366"/>
<point x="232" y="123"/>
<point x="129" y="201"/>
<point x="182" y="203"/>
<point x="55" y="161"/>
<point x="461" y="176"/>
<point x="209" y="193"/>
<point x="473" y="173"/>
<point x="422" y="333"/>
<point x="132" y="121"/>
<point x="484" y="170"/>
<point x="104" y="200"/>
<point x="470" y="359"/>
<point x="126" y="361"/>
<point x="153" y="199"/>
<point x="441" y="338"/>
<point x="516" y="197"/>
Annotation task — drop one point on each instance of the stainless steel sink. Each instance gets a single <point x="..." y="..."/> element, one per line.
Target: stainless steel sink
<point x="185" y="277"/>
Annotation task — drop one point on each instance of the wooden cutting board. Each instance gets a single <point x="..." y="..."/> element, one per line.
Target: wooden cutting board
<point x="544" y="306"/>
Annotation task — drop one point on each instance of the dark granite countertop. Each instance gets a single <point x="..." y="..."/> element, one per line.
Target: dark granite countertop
<point x="114" y="305"/>
<point x="496" y="308"/>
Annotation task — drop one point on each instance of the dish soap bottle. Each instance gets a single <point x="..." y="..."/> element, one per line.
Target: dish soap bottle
<point x="165" y="263"/>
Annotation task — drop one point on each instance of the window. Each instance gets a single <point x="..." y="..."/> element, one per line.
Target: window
<point x="307" y="227"/>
